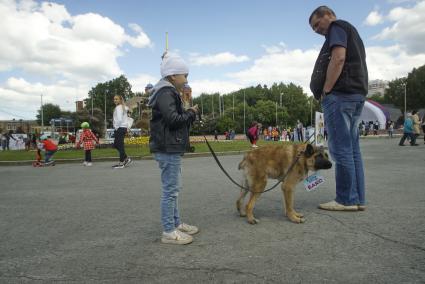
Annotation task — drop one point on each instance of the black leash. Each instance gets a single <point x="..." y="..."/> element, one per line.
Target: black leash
<point x="247" y="189"/>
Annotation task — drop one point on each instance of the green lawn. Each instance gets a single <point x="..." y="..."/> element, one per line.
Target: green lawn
<point x="132" y="150"/>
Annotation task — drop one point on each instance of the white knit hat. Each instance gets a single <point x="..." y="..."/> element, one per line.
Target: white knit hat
<point x="173" y="65"/>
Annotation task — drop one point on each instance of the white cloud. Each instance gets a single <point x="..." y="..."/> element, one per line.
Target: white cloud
<point x="408" y="29"/>
<point x="54" y="12"/>
<point x="284" y="66"/>
<point x="45" y="39"/>
<point x="139" y="82"/>
<point x="23" y="98"/>
<point x="391" y="62"/>
<point x="374" y="18"/>
<point x="218" y="59"/>
<point x="296" y="66"/>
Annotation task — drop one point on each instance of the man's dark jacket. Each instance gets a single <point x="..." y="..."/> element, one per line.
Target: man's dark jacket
<point x="170" y="123"/>
<point x="354" y="75"/>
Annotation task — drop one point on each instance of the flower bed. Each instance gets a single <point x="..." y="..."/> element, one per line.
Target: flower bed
<point x="142" y="140"/>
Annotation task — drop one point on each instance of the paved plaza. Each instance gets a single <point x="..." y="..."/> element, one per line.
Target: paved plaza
<point x="75" y="224"/>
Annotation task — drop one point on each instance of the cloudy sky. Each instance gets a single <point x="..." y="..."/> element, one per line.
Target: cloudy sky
<point x="62" y="49"/>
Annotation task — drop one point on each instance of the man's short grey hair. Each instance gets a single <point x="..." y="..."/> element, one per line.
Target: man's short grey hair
<point x="320" y="12"/>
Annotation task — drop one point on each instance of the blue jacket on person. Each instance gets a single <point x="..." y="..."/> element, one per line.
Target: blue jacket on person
<point x="408" y="125"/>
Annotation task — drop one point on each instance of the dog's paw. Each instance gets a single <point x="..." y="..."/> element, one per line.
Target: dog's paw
<point x="296" y="219"/>
<point x="242" y="214"/>
<point x="253" y="221"/>
<point x="299" y="215"/>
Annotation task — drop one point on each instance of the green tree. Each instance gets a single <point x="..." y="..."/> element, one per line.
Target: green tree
<point x="260" y="105"/>
<point x="225" y="123"/>
<point x="415" y="88"/>
<point x="413" y="85"/>
<point x="395" y="93"/>
<point x="96" y="121"/>
<point x="49" y="111"/>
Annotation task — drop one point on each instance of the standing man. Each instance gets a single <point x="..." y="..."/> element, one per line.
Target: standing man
<point x="340" y="81"/>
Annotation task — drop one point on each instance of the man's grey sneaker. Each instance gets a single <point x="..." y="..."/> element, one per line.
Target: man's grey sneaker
<point x="127" y="162"/>
<point x="176" y="237"/>
<point x="119" y="166"/>
<point x="188" y="229"/>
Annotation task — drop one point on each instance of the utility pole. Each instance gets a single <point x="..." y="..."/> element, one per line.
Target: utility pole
<point x="276" y="114"/>
<point x="42" y="117"/>
<point x="219" y="106"/>
<point x="244" y="125"/>
<point x="212" y="105"/>
<point x="106" y="127"/>
<point x="223" y="105"/>
<point x="405" y="97"/>
<point x="233" y="106"/>
<point x="311" y="111"/>
<point x="202" y="107"/>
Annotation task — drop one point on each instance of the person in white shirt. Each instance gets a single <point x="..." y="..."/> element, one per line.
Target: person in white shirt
<point x="120" y="126"/>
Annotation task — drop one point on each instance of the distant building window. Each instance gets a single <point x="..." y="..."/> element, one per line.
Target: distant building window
<point x="11" y="126"/>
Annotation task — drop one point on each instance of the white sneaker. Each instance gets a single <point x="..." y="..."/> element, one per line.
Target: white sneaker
<point x="89" y="164"/>
<point x="118" y="166"/>
<point x="254" y="146"/>
<point x="85" y="163"/>
<point x="127" y="161"/>
<point x="188" y="229"/>
<point x="176" y="237"/>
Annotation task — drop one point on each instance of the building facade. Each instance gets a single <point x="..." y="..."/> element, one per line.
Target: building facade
<point x="18" y="126"/>
<point x="377" y="87"/>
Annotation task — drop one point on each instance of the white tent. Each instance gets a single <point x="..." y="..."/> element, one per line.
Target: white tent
<point x="372" y="113"/>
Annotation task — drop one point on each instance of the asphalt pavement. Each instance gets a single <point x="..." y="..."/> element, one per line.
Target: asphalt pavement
<point x="75" y="224"/>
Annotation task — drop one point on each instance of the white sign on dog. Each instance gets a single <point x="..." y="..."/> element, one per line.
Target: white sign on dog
<point x="313" y="181"/>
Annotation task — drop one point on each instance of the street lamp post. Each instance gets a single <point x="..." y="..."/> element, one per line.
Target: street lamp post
<point x="106" y="127"/>
<point x="276" y="114"/>
<point x="233" y="106"/>
<point x="281" y="99"/>
<point x="202" y="107"/>
<point x="311" y="111"/>
<point x="219" y="106"/>
<point x="244" y="125"/>
<point x="405" y="96"/>
<point x="212" y="105"/>
<point x="42" y="118"/>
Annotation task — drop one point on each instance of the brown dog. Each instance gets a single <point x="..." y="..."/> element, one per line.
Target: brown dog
<point x="273" y="161"/>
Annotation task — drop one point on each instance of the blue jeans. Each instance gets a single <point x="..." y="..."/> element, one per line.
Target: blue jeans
<point x="48" y="155"/>
<point x="170" y="165"/>
<point x="342" y="113"/>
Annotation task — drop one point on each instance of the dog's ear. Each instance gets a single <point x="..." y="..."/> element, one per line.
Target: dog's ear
<point x="309" y="150"/>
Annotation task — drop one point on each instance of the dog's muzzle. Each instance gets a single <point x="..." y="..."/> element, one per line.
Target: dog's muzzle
<point x="322" y="164"/>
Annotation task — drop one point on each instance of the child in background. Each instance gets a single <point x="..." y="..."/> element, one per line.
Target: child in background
<point x="49" y="147"/>
<point x="252" y="134"/>
<point x="88" y="139"/>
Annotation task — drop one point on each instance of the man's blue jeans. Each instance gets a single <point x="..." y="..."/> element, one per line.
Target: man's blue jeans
<point x="170" y="165"/>
<point x="342" y="114"/>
